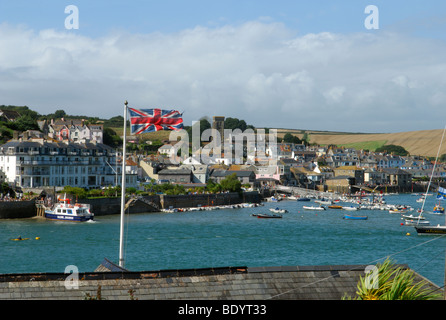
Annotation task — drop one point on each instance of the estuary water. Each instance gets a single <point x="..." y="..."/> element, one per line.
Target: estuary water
<point x="226" y="237"/>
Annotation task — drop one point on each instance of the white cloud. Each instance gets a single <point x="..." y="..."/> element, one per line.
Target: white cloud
<point x="258" y="71"/>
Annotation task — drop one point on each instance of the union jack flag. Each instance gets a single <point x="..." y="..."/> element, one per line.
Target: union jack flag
<point x="441" y="194"/>
<point x="150" y="120"/>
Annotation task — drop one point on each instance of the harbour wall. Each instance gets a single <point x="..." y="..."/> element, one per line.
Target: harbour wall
<point x="17" y="209"/>
<point x="105" y="206"/>
<point x="108" y="206"/>
<point x="201" y="200"/>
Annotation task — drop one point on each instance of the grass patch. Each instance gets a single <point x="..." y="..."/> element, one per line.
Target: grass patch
<point x="365" y="145"/>
<point x="157" y="135"/>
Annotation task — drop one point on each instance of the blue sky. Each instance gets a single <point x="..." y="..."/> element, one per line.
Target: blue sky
<point x="98" y="18"/>
<point x="313" y="63"/>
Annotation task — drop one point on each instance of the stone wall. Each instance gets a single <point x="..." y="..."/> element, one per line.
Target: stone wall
<point x="106" y="206"/>
<point x="17" y="209"/>
<point x="197" y="200"/>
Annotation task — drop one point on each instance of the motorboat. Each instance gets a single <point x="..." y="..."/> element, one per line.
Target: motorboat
<point x="277" y="210"/>
<point x="64" y="210"/>
<point x="267" y="216"/>
<point x="416" y="222"/>
<point x="320" y="208"/>
<point x="350" y="208"/>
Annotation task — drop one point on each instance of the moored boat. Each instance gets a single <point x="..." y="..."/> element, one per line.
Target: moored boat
<point x="430" y="230"/>
<point x="267" y="216"/>
<point x="395" y="210"/>
<point x="351" y="208"/>
<point x="415" y="222"/>
<point x="64" y="210"/>
<point x="273" y="199"/>
<point x="350" y="217"/>
<point x="324" y="202"/>
<point x="412" y="217"/>
<point x="314" y="208"/>
<point x="438" y="209"/>
<point x="277" y="210"/>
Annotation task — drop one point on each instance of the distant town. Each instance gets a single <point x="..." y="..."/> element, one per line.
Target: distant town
<point x="64" y="152"/>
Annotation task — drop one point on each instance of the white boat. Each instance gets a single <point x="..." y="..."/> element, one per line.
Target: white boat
<point x="416" y="222"/>
<point x="313" y="208"/>
<point x="277" y="210"/>
<point x="350" y="208"/>
<point x="412" y="217"/>
<point x="397" y="211"/>
<point x="324" y="202"/>
<point x="64" y="210"/>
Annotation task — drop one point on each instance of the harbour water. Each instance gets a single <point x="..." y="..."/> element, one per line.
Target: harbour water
<point x="227" y="237"/>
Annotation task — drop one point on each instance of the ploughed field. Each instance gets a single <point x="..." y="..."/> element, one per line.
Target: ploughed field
<point x="423" y="142"/>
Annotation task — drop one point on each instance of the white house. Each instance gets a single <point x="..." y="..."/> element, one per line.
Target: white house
<point x="39" y="163"/>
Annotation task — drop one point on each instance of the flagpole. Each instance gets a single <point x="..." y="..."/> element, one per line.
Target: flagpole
<point x="121" y="238"/>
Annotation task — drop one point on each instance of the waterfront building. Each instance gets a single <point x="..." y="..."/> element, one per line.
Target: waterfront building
<point x="398" y="177"/>
<point x="374" y="177"/>
<point x="269" y="175"/>
<point x="340" y="184"/>
<point x="350" y="171"/>
<point x="39" y="163"/>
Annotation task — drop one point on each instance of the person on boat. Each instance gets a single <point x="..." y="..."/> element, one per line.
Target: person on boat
<point x="19" y="238"/>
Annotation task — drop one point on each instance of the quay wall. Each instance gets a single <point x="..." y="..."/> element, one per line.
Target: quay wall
<point x="17" y="209"/>
<point x="108" y="206"/>
<point x="197" y="200"/>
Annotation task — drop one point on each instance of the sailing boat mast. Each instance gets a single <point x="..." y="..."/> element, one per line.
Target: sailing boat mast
<point x="121" y="238"/>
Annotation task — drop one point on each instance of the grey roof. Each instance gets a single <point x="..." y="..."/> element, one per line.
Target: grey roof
<point x="51" y="144"/>
<point x="330" y="282"/>
<point x="238" y="173"/>
<point x="175" y="171"/>
<point x="394" y="171"/>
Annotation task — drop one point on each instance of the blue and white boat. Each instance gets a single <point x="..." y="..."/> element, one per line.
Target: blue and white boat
<point x="66" y="211"/>
<point x="350" y="217"/>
